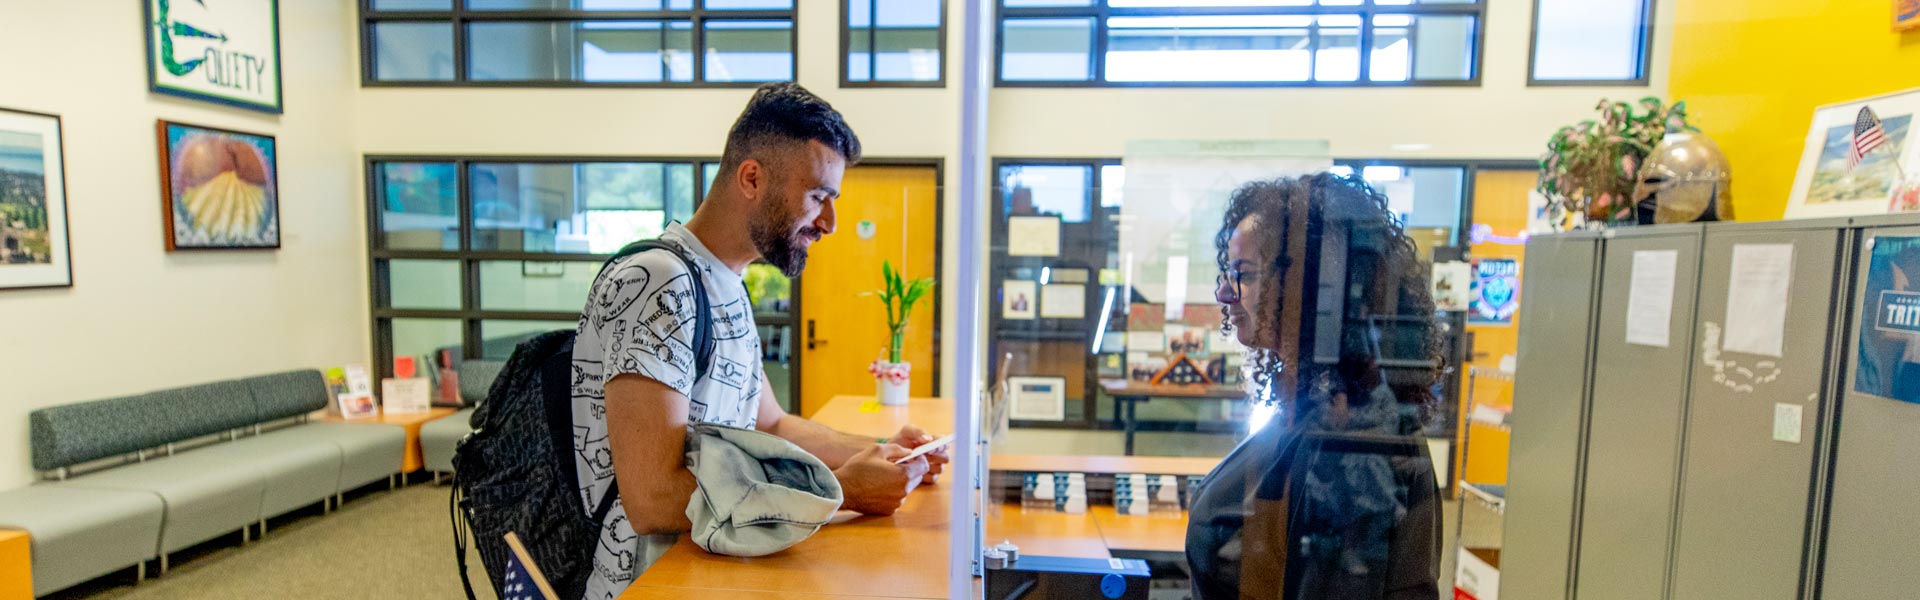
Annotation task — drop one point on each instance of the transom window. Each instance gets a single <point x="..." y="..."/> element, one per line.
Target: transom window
<point x="1239" y="42"/>
<point x="577" y="42"/>
<point x="893" y="43"/>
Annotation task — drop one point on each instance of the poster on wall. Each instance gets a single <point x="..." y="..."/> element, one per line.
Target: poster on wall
<point x="1496" y="291"/>
<point x="1887" y="360"/>
<point x="33" y="202"/>
<point x="1452" y="284"/>
<point x="1832" y="182"/>
<point x="219" y="189"/>
<point x="1906" y="14"/>
<point x="226" y="51"/>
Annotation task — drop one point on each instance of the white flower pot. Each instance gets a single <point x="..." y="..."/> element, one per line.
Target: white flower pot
<point x="889" y="393"/>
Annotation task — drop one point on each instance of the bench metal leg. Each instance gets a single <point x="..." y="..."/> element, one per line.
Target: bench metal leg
<point x="246" y="534"/>
<point x="140" y="572"/>
<point x="163" y="564"/>
<point x="391" y="479"/>
<point x="263" y="528"/>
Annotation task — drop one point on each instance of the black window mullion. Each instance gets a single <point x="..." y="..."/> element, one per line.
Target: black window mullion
<point x="699" y="25"/>
<point x="873" y="40"/>
<point x="1099" y="54"/>
<point x="1313" y="52"/>
<point x="470" y="305"/>
<point x="1366" y="49"/>
<point x="460" y="66"/>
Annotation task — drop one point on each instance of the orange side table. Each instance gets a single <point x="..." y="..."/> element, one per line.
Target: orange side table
<point x="16" y="565"/>
<point x="411" y="422"/>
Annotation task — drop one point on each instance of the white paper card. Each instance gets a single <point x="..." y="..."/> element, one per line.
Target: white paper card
<point x="1786" y="423"/>
<point x="1146" y="341"/>
<point x="1038" y="398"/>
<point x="1650" y="297"/>
<point x="1452" y="282"/>
<point x="359" y="381"/>
<point x="1063" y="301"/>
<point x="1757" y="299"/>
<point x="399" y="396"/>
<point x="1033" y="236"/>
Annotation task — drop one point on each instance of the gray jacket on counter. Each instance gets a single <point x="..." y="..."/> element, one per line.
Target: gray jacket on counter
<point x="758" y="494"/>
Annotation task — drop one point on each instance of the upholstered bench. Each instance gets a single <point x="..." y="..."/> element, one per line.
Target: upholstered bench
<point x="439" y="436"/>
<point x="79" y="534"/>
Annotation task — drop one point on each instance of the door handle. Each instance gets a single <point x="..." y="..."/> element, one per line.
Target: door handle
<point x="812" y="341"/>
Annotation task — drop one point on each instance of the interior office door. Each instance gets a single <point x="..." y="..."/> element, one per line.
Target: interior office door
<point x="1500" y="204"/>
<point x="1549" y="414"/>
<point x="1870" y="530"/>
<point x="1642" y="356"/>
<point x="1759" y="385"/>
<point x="886" y="213"/>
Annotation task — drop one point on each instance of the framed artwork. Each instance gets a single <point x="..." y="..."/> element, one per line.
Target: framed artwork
<point x="1826" y="187"/>
<point x="1906" y="15"/>
<point x="219" y="189"/>
<point x="1038" y="398"/>
<point x="1495" y="292"/>
<point x="226" y="52"/>
<point x="1019" y="300"/>
<point x="34" y="252"/>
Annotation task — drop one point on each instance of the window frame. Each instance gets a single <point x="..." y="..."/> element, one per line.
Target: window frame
<point x="459" y="16"/>
<point x="1366" y="10"/>
<point x="471" y="314"/>
<point x="846" y="46"/>
<point x="1647" y="12"/>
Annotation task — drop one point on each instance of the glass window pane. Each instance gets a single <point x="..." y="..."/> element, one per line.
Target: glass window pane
<point x="1589" y="39"/>
<point x="1443" y="48"/>
<point x="1209" y="48"/>
<point x="908" y="41"/>
<point x="1046" y="50"/>
<point x="771" y="290"/>
<point x="1031" y="3"/>
<point x="413" y="51"/>
<point x="1438" y="193"/>
<point x="424" y="337"/>
<point x="1391" y="58"/>
<point x="776" y="344"/>
<point x="558" y="286"/>
<point x="680" y="191"/>
<point x="749" y="50"/>
<point x="424" y="284"/>
<point x="412" y="4"/>
<point x="581" y="51"/>
<point x="1201" y="3"/>
<point x="748" y="4"/>
<point x="579" y="5"/>
<point x="544" y="207"/>
<point x="708" y="172"/>
<point x="859" y="40"/>
<point x="420" y="206"/>
<point x="1046" y="190"/>
<point x="1338" y="56"/>
<point x="499" y="337"/>
<point x="1113" y="184"/>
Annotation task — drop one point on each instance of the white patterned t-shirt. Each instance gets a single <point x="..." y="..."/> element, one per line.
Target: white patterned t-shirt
<point x="639" y="320"/>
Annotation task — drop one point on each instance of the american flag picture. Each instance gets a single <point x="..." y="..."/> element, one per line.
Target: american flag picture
<point x="523" y="580"/>
<point x="1868" y="136"/>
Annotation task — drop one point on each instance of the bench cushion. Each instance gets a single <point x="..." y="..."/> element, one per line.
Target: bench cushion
<point x="439" y="436"/>
<point x="71" y="434"/>
<point x="79" y="534"/>
<point x="289" y="394"/>
<point x="205" y="494"/>
<point x="476" y="377"/>
<point x="369" y="451"/>
<point x="294" y="472"/>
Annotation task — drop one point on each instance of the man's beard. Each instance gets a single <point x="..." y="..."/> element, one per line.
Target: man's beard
<point x="784" y="249"/>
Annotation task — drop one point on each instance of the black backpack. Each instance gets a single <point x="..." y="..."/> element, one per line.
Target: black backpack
<point x="516" y="472"/>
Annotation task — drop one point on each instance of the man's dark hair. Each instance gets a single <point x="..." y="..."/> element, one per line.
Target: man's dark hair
<point x="781" y="113"/>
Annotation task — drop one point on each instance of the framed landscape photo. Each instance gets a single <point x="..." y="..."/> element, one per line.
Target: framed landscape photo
<point x="219" y="189"/>
<point x="226" y="51"/>
<point x="1826" y="187"/>
<point x="34" y="252"/>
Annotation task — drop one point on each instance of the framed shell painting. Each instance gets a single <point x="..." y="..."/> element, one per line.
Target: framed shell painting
<point x="219" y="189"/>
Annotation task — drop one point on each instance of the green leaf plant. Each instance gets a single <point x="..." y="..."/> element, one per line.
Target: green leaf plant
<point x="1590" y="167"/>
<point x="900" y="297"/>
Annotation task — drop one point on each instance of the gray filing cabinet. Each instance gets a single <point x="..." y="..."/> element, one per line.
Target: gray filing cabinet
<point x="1639" y="397"/>
<point x="1872" y="542"/>
<point x="1744" y="495"/>
<point x="1549" y="413"/>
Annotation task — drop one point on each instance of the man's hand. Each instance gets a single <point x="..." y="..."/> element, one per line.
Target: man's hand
<point x="873" y="484"/>
<point x="911" y="437"/>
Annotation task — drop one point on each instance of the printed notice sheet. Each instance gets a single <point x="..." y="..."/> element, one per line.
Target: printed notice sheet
<point x="1757" y="299"/>
<point x="1650" y="297"/>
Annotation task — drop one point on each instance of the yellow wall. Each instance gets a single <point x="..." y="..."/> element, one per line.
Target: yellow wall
<point x="1752" y="71"/>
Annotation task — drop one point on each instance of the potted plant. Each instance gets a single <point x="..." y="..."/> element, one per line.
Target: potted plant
<point x="890" y="373"/>
<point x="1590" y="168"/>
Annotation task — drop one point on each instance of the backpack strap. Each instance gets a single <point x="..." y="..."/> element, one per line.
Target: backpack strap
<point x="703" y="343"/>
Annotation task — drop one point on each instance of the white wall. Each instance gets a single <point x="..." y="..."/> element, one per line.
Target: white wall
<point x="137" y="317"/>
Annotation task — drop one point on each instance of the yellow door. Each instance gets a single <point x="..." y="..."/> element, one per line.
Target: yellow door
<point x="1500" y="203"/>
<point x="884" y="213"/>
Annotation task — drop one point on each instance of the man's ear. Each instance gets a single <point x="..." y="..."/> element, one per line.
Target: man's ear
<point x="751" y="179"/>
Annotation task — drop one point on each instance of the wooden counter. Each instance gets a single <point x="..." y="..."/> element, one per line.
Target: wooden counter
<point x="1045" y="532"/>
<point x="899" y="556"/>
<point x="1106" y="465"/>
<point x="1152" y="532"/>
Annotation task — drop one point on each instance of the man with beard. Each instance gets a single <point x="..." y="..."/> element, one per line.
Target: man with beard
<point x="635" y="387"/>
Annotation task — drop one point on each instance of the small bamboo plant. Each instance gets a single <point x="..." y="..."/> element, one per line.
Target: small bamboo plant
<point x="900" y="296"/>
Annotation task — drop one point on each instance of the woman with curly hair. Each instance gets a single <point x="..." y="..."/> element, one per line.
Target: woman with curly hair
<point x="1335" y="499"/>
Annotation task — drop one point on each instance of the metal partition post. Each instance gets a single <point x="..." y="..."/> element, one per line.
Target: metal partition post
<point x="964" y="550"/>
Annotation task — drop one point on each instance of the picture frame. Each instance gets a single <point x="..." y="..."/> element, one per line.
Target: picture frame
<point x="225" y="53"/>
<point x="35" y="248"/>
<point x="1019" y="300"/>
<point x="1037" y="398"/>
<point x="1906" y="15"/>
<point x="219" y="188"/>
<point x="1825" y="187"/>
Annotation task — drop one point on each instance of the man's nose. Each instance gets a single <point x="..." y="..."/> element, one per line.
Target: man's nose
<point x="825" y="222"/>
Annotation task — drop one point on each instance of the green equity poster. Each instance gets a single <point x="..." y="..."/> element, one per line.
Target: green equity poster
<point x="1889" y="346"/>
<point x="225" y="51"/>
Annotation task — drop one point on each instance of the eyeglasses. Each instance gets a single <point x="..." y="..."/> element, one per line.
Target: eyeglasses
<point x="1234" y="277"/>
